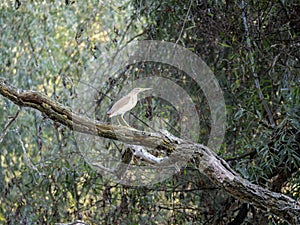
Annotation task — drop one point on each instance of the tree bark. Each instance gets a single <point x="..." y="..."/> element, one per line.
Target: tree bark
<point x="210" y="164"/>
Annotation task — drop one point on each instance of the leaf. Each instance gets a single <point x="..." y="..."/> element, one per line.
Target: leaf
<point x="224" y="45"/>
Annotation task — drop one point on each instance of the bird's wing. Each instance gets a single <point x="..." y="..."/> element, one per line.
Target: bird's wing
<point x="118" y="105"/>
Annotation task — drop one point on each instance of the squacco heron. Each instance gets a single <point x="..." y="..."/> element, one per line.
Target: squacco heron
<point x="126" y="103"/>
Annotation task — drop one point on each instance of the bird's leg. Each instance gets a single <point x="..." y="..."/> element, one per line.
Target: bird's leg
<point x="119" y="121"/>
<point x="122" y="116"/>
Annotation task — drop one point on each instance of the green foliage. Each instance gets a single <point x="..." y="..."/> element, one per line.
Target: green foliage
<point x="47" y="46"/>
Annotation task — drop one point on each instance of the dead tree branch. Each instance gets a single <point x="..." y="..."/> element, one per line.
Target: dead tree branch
<point x="210" y="164"/>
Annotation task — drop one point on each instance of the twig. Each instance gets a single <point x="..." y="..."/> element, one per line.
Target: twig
<point x="8" y="125"/>
<point x="76" y="222"/>
<point x="240" y="156"/>
<point x="27" y="160"/>
<point x="184" y="22"/>
<point x="256" y="80"/>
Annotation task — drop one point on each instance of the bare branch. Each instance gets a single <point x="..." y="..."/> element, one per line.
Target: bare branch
<point x="210" y="164"/>
<point x="8" y="125"/>
<point x="25" y="155"/>
<point x="256" y="79"/>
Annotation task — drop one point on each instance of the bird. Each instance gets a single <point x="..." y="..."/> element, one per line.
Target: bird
<point x="126" y="103"/>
